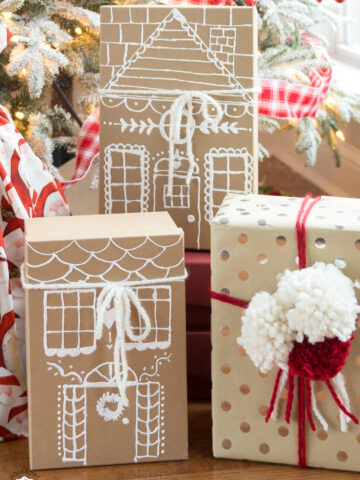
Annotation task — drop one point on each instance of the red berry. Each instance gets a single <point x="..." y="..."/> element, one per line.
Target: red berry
<point x="250" y="3"/>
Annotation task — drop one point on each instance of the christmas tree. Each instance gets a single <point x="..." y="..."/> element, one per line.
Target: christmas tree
<point x="56" y="39"/>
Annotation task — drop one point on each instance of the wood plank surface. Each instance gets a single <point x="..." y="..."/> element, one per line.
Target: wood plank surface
<point x="200" y="466"/>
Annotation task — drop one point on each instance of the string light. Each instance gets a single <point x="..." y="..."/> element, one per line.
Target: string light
<point x="7" y="15"/>
<point x="20" y="115"/>
<point x="24" y="71"/>
<point x="78" y="31"/>
<point x="14" y="39"/>
<point x="315" y="123"/>
<point x="330" y="101"/>
<point x="340" y="135"/>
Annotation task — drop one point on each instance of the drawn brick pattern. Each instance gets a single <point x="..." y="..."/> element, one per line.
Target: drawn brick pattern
<point x="222" y="43"/>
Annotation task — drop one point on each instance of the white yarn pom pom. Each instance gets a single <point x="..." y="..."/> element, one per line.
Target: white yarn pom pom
<point x="317" y="302"/>
<point x="264" y="333"/>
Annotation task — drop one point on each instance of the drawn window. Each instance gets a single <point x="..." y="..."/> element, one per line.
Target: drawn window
<point x="230" y="171"/>
<point x="69" y="322"/>
<point x="157" y="303"/>
<point x="127" y="177"/>
<point x="148" y="421"/>
<point x="180" y="197"/>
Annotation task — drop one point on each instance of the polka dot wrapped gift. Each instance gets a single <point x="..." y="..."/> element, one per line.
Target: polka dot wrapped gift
<point x="286" y="353"/>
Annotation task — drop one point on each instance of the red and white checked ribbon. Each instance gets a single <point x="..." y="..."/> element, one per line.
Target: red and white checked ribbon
<point x="5" y="36"/>
<point x="278" y="99"/>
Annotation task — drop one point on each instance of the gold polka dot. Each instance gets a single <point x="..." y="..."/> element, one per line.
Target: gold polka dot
<point x="225" y="331"/>
<point x="242" y="238"/>
<point x="283" y="431"/>
<point x="342" y="456"/>
<point x="322" y="435"/>
<point x="224" y="255"/>
<point x="245" y="389"/>
<point x="321" y="396"/>
<point x="263" y="374"/>
<point x="262" y="258"/>
<point x="242" y="352"/>
<point x="263" y="410"/>
<point x="281" y="240"/>
<point x="245" y="427"/>
<point x="357" y="360"/>
<point x="264" y="448"/>
<point x="226" y="443"/>
<point x="243" y="275"/>
<point x="358" y="438"/>
<point x="225" y="368"/>
<point x="357" y="244"/>
<point x="284" y="394"/>
<point x="226" y="406"/>
<point x="241" y="312"/>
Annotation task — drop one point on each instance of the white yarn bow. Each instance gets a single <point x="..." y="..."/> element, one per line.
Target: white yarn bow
<point x="122" y="298"/>
<point x="182" y="106"/>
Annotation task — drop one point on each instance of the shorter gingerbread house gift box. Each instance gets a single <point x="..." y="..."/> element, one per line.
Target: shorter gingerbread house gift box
<point x="105" y="332"/>
<point x="285" y="358"/>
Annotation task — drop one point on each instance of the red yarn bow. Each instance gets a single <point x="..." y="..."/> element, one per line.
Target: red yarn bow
<point x="309" y="362"/>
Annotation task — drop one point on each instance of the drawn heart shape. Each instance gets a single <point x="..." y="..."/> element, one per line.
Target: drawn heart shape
<point x="109" y="318"/>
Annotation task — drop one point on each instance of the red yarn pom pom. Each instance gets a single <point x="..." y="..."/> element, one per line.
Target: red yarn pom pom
<point x="319" y="361"/>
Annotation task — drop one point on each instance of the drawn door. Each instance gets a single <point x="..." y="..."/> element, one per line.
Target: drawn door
<point x="126" y="178"/>
<point x="183" y="204"/>
<point x="111" y="423"/>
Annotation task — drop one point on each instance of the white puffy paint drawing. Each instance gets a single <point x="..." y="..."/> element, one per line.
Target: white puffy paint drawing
<point x="175" y="56"/>
<point x="70" y="324"/>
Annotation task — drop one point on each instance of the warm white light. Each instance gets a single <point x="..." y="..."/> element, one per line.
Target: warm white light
<point x="330" y="101"/>
<point x="340" y="135"/>
<point x="78" y="31"/>
<point x="7" y="15"/>
<point x="20" y="115"/>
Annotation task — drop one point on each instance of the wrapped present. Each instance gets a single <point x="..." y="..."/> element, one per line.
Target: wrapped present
<point x="178" y="120"/>
<point x="27" y="190"/>
<point x="285" y="358"/>
<point x="198" y="364"/>
<point x="198" y="281"/>
<point x="106" y="340"/>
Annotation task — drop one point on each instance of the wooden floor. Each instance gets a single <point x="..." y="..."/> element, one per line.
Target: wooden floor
<point x="200" y="466"/>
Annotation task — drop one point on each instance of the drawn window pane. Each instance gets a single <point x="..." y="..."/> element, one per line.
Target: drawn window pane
<point x="157" y="303"/>
<point x="180" y="197"/>
<point x="230" y="171"/>
<point x="126" y="177"/>
<point x="69" y="318"/>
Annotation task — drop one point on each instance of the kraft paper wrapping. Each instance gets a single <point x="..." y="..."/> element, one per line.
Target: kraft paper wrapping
<point x="69" y="372"/>
<point x="253" y="240"/>
<point x="150" y="55"/>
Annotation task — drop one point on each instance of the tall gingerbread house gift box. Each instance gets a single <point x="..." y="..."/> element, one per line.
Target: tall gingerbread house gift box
<point x="178" y="123"/>
<point x="105" y="332"/>
<point x="285" y="359"/>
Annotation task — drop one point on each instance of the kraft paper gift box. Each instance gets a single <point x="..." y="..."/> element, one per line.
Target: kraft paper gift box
<point x="253" y="241"/>
<point x="178" y="115"/>
<point x="105" y="333"/>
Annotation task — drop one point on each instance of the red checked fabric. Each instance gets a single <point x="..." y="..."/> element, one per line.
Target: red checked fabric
<point x="87" y="148"/>
<point x="27" y="189"/>
<point x="277" y="98"/>
<point x="5" y="36"/>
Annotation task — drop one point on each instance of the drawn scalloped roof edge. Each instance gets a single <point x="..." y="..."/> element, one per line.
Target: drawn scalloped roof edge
<point x="126" y="254"/>
<point x="175" y="14"/>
